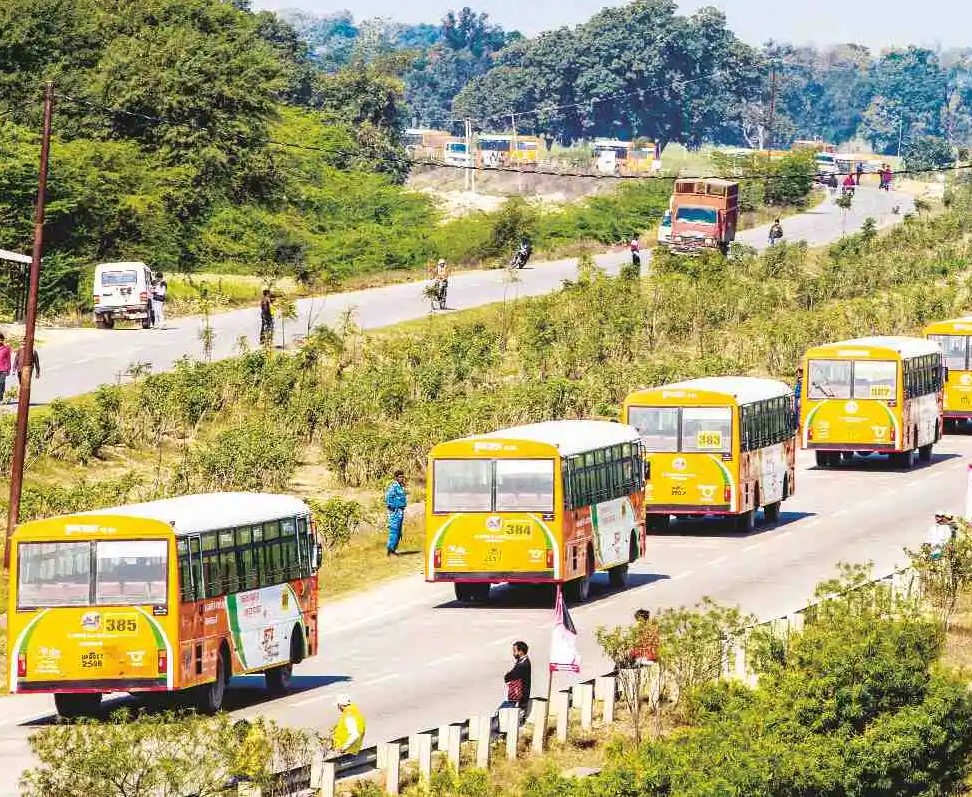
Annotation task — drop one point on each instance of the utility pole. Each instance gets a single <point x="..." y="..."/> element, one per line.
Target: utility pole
<point x="27" y="346"/>
<point x="470" y="171"/>
<point x="772" y="108"/>
<point x="900" y="133"/>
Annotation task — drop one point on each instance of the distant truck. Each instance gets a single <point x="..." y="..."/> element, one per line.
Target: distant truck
<point x="704" y="215"/>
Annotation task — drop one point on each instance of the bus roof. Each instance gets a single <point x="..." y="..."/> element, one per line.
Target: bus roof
<point x="191" y="514"/>
<point x="568" y="437"/>
<point x="743" y="389"/>
<point x="900" y="345"/>
<point x="960" y="324"/>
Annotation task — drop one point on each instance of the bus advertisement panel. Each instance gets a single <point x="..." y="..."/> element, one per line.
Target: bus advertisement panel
<point x="716" y="446"/>
<point x="163" y="596"/>
<point x="544" y="503"/>
<point x="872" y="395"/>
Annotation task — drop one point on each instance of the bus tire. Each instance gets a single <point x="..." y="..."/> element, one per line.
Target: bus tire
<point x="746" y="522"/>
<point x="771" y="512"/>
<point x="925" y="452"/>
<point x="618" y="576"/>
<point x="658" y="523"/>
<point x="209" y="697"/>
<point x="72" y="705"/>
<point x="580" y="588"/>
<point x="823" y="459"/>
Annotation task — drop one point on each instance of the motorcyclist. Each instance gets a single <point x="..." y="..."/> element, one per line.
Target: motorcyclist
<point x="775" y="232"/>
<point x="440" y="277"/>
<point x="849" y="184"/>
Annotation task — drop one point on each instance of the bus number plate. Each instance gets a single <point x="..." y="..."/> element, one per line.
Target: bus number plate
<point x="493" y="556"/>
<point x="709" y="439"/>
<point x="520" y="528"/>
<point x="124" y="624"/>
<point x="678" y="490"/>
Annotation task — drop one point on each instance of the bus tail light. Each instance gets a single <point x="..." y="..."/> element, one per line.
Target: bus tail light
<point x="893" y="437"/>
<point x="809" y="433"/>
<point x="21" y="665"/>
<point x="437" y="558"/>
<point x="163" y="662"/>
<point x="727" y="494"/>
<point x="550" y="559"/>
<point x="143" y="296"/>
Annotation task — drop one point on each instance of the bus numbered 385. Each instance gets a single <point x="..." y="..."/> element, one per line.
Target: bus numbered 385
<point x="954" y="336"/>
<point x="171" y="596"/>
<point x="721" y="446"/>
<point x="877" y="395"/>
<point x="547" y="503"/>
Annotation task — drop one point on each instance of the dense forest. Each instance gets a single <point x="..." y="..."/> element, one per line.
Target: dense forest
<point x="200" y="134"/>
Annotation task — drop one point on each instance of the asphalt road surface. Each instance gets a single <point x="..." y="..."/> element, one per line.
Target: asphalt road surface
<point x="413" y="659"/>
<point x="95" y="357"/>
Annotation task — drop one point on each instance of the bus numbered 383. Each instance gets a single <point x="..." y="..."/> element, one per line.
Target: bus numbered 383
<point x="171" y="596"/>
<point x="877" y="395"/>
<point x="547" y="503"/>
<point x="955" y="338"/>
<point x="722" y="446"/>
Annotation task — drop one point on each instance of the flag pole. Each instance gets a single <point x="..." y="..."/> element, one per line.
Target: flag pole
<point x="550" y="669"/>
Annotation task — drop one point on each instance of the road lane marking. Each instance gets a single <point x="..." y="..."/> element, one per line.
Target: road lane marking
<point x="381" y="679"/>
<point x="684" y="574"/>
<point x="371" y="617"/>
<point x="444" y="659"/>
<point x="751" y="547"/>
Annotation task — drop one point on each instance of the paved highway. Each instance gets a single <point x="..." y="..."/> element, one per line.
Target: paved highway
<point x="414" y="659"/>
<point x="95" y="357"/>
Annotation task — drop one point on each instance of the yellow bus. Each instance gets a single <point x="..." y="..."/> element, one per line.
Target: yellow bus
<point x="872" y="395"/>
<point x="160" y="597"/>
<point x="954" y="337"/>
<point x="546" y="503"/>
<point x="723" y="446"/>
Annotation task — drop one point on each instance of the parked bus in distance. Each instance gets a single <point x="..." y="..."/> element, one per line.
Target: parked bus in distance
<point x="872" y="395"/>
<point x="547" y="503"/>
<point x="955" y="338"/>
<point x="723" y="446"/>
<point x="169" y="596"/>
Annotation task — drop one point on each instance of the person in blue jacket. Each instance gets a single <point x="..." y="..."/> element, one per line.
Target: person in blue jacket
<point x="396" y="500"/>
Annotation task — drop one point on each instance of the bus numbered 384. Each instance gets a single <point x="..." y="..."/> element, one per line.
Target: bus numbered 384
<point x="171" y="596"/>
<point x="877" y="395"/>
<point x="547" y="503"/>
<point x="722" y="446"/>
<point x="955" y="338"/>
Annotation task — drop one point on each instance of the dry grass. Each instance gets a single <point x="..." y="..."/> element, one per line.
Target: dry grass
<point x="958" y="641"/>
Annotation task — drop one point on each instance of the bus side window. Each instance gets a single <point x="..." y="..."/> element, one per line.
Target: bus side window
<point x="187" y="592"/>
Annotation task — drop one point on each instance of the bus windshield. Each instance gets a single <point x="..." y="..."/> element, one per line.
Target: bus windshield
<point x="485" y="485"/>
<point x="697" y="215"/>
<point x="687" y="429"/>
<point x="120" y="573"/>
<point x="861" y="379"/>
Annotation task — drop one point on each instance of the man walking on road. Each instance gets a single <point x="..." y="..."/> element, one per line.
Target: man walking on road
<point x="4" y="366"/>
<point x="266" y="319"/>
<point x="18" y="362"/>
<point x="348" y="735"/>
<point x="519" y="680"/>
<point x="797" y="389"/>
<point x="159" y="290"/>
<point x="396" y="499"/>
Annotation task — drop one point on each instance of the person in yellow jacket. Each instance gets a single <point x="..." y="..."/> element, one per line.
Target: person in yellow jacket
<point x="348" y="735"/>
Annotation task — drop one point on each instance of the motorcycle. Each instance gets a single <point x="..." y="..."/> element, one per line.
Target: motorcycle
<point x="436" y="291"/>
<point x="521" y="256"/>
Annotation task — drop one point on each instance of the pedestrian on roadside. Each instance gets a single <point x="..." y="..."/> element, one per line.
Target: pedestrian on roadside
<point x="797" y="390"/>
<point x="19" y="363"/>
<point x="266" y="319"/>
<point x="160" y="289"/>
<point x="941" y="533"/>
<point x="519" y="680"/>
<point x="396" y="499"/>
<point x="860" y="171"/>
<point x="635" y="253"/>
<point x="5" y="354"/>
<point x="348" y="735"/>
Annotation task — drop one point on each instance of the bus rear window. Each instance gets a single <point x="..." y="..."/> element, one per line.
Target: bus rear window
<point x="109" y="278"/>
<point x="829" y="379"/>
<point x="875" y="379"/>
<point x="658" y="427"/>
<point x="524" y="485"/>
<point x="462" y="485"/>
<point x="131" y="572"/>
<point x="53" y="574"/>
<point x="954" y="349"/>
<point x="706" y="429"/>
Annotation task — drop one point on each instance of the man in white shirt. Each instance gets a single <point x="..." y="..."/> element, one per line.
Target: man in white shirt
<point x="940" y="533"/>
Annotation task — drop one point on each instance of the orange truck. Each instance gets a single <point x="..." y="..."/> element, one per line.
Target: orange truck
<point x="704" y="215"/>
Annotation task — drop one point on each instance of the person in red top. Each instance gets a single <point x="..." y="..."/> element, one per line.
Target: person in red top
<point x="5" y="354"/>
<point x="646" y="651"/>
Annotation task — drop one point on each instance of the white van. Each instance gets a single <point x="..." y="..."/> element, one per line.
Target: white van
<point x="122" y="292"/>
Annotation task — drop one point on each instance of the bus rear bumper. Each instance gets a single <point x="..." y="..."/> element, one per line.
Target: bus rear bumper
<point x="689" y="509"/>
<point x="494" y="577"/>
<point x="102" y="685"/>
<point x="957" y="415"/>
<point x="873" y="448"/>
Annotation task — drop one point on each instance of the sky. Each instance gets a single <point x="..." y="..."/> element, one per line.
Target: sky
<point x="875" y="23"/>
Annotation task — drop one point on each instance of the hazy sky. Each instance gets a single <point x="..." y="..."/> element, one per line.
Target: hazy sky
<point x="872" y="22"/>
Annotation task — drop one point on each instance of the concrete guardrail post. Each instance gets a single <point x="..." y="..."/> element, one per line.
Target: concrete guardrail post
<point x="425" y="757"/>
<point x="510" y="718"/>
<point x="442" y="739"/>
<point x="484" y="740"/>
<point x="413" y="747"/>
<point x="328" y="783"/>
<point x="740" y="665"/>
<point x="541" y="715"/>
<point x="795" y="622"/>
<point x="584" y="698"/>
<point x="606" y="690"/>
<point x="473" y="729"/>
<point x="562" y="712"/>
<point x="393" y="767"/>
<point x="453" y="744"/>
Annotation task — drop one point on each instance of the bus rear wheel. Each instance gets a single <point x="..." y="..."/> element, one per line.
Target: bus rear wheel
<point x="771" y="512"/>
<point x="746" y="522"/>
<point x="72" y="705"/>
<point x="209" y="697"/>
<point x="472" y="593"/>
<point x="925" y="452"/>
<point x="618" y="576"/>
<point x="279" y="679"/>
<point x="658" y="523"/>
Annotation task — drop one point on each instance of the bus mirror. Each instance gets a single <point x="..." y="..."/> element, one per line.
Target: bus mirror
<point x="318" y="557"/>
<point x="944" y="373"/>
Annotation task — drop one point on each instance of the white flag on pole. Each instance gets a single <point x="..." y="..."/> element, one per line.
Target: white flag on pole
<point x="563" y="640"/>
<point x="968" y="493"/>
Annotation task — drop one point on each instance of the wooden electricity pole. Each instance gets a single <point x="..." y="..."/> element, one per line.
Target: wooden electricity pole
<point x="30" y="321"/>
